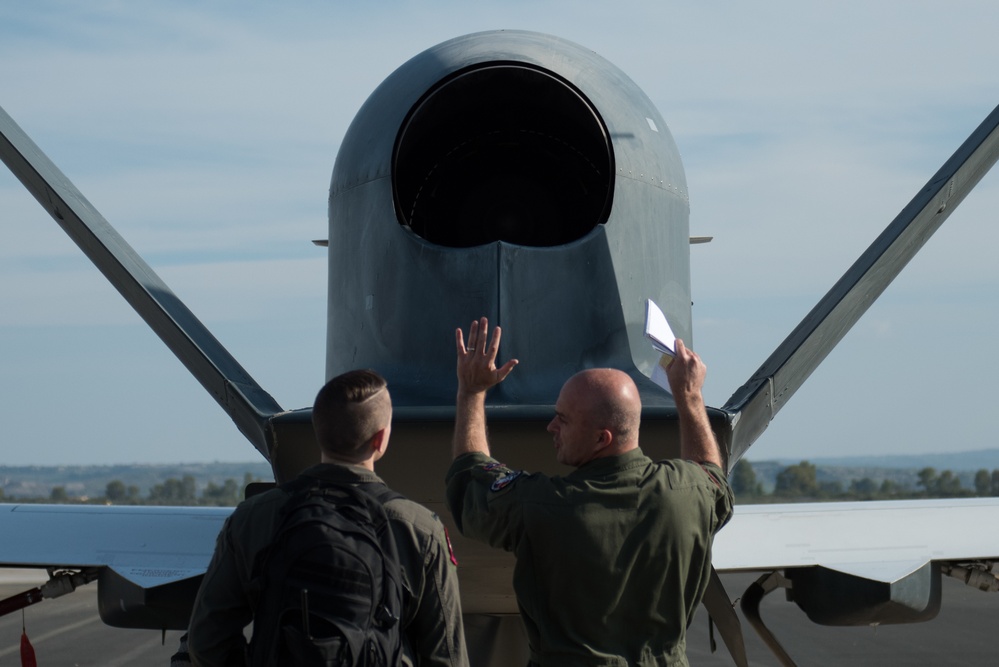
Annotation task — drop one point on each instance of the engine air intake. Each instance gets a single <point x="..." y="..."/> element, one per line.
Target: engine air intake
<point x="502" y="153"/>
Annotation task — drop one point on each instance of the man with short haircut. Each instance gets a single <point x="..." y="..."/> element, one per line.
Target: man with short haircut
<point x="613" y="558"/>
<point x="352" y="418"/>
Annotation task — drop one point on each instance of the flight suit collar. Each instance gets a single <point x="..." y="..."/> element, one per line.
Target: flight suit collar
<point x="336" y="472"/>
<point x="610" y="464"/>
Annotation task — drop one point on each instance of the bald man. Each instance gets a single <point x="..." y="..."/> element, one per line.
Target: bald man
<point x="612" y="558"/>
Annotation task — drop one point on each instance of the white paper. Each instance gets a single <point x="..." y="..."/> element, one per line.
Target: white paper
<point x="657" y="329"/>
<point x="659" y="333"/>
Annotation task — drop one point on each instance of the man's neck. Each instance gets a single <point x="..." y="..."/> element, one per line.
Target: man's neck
<point x="368" y="464"/>
<point x="616" y="450"/>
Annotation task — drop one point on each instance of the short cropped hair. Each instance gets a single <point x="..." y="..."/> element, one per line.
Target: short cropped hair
<point x="348" y="411"/>
<point x="617" y="416"/>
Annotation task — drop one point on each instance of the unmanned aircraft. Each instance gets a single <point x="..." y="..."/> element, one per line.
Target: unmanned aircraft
<point x="523" y="177"/>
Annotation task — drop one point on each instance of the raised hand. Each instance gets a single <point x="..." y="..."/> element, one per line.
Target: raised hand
<point x="477" y="371"/>
<point x="686" y="372"/>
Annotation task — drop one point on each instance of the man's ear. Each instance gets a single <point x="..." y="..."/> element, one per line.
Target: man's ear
<point x="379" y="442"/>
<point x="604" y="438"/>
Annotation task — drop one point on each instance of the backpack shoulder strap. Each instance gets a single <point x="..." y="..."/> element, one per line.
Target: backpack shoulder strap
<point x="299" y="484"/>
<point x="380" y="492"/>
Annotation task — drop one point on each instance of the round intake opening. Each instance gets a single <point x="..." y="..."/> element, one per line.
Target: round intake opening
<point x="503" y="152"/>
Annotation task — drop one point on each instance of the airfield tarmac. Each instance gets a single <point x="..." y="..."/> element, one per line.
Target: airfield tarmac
<point x="67" y="631"/>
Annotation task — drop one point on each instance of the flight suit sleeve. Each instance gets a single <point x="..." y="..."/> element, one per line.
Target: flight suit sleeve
<point x="221" y="610"/>
<point x="435" y="633"/>
<point x="723" y="497"/>
<point x="486" y="499"/>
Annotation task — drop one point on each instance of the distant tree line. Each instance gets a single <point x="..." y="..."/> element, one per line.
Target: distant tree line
<point x="800" y="482"/>
<point x="794" y="483"/>
<point x="172" y="491"/>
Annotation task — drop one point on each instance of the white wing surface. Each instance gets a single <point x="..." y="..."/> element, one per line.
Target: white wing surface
<point x="149" y="546"/>
<point x="877" y="540"/>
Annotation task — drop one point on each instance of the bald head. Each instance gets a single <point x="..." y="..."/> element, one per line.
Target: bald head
<point x="348" y="412"/>
<point x="611" y="400"/>
<point x="597" y="414"/>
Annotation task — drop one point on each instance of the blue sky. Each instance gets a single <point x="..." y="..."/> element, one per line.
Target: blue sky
<point x="206" y="134"/>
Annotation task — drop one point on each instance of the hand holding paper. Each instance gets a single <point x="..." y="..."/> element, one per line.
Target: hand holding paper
<point x="659" y="333"/>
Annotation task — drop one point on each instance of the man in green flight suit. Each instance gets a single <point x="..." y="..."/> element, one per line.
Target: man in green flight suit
<point x="613" y="558"/>
<point x="352" y="416"/>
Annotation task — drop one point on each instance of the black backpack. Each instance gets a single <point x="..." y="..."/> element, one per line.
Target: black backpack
<point x="329" y="588"/>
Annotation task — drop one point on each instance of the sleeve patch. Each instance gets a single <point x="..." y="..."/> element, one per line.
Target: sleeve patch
<point x="450" y="549"/>
<point x="502" y="482"/>
<point x="710" y="475"/>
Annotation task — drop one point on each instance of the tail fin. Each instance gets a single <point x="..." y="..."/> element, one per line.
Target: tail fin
<point x="754" y="405"/>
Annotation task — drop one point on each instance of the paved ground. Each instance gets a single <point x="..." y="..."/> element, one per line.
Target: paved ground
<point x="964" y="633"/>
<point x="67" y="631"/>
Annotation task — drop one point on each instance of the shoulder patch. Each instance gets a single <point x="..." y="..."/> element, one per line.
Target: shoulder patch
<point x="504" y="481"/>
<point x="710" y="475"/>
<point x="450" y="549"/>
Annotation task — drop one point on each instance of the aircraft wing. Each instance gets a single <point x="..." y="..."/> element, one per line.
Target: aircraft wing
<point x="878" y="540"/>
<point x="854" y="563"/>
<point x="148" y="561"/>
<point x="755" y="404"/>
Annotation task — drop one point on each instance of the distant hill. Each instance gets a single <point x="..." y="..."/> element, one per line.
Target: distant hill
<point x="38" y="481"/>
<point x="967" y="461"/>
